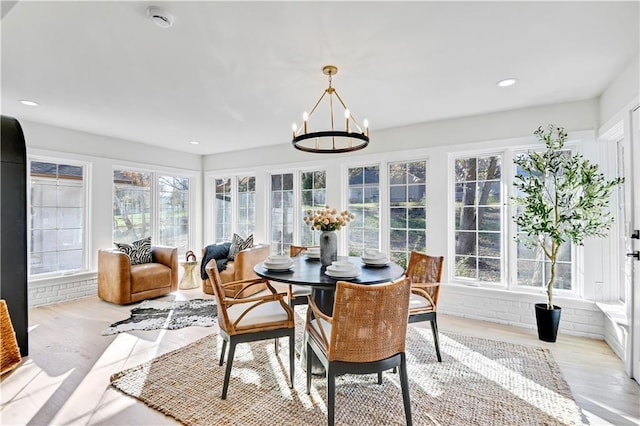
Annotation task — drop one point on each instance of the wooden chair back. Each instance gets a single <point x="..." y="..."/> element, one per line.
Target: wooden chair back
<point x="423" y="269"/>
<point x="218" y="291"/>
<point x="369" y="321"/>
<point x="298" y="250"/>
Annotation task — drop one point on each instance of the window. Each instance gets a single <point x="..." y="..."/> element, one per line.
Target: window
<point x="478" y="218"/>
<point x="246" y="205"/>
<point x="407" y="209"/>
<point x="149" y="204"/>
<point x="364" y="203"/>
<point x="282" y="225"/>
<point x="223" y="210"/>
<point x="313" y="194"/>
<point x="174" y="212"/>
<point x="131" y="205"/>
<point x="58" y="202"/>
<point x="534" y="268"/>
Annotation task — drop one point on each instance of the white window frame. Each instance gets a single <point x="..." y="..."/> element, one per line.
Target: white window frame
<point x="386" y="238"/>
<point x="453" y="156"/>
<point x="154" y="197"/>
<point x="211" y="188"/>
<point x="299" y="215"/>
<point x="86" y="182"/>
<point x="383" y="196"/>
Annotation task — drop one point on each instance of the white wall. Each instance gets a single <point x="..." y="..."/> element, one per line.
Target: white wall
<point x="620" y="92"/>
<point x="573" y="116"/>
<point x="102" y="154"/>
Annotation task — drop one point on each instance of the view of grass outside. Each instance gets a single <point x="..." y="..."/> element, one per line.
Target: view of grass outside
<point x="56" y="240"/>
<point x="478" y="218"/>
<point x="131" y="205"/>
<point x="246" y="205"/>
<point x="281" y="213"/>
<point x="313" y="195"/>
<point x="174" y="212"/>
<point x="134" y="216"/>
<point x="223" y="210"/>
<point x="364" y="203"/>
<point x="407" y="209"/>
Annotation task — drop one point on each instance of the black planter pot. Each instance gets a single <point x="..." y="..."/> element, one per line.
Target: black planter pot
<point x="548" y="321"/>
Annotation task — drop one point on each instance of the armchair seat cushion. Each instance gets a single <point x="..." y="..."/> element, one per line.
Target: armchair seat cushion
<point x="263" y="314"/>
<point x="146" y="276"/>
<point x="418" y="302"/>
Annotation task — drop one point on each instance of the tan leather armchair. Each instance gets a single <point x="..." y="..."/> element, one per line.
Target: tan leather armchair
<point x="240" y="269"/>
<point x="120" y="282"/>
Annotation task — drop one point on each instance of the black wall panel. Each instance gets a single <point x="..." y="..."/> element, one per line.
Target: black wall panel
<point x="13" y="227"/>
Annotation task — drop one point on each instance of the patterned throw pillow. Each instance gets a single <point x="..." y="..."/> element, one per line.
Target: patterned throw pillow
<point x="238" y="244"/>
<point x="138" y="251"/>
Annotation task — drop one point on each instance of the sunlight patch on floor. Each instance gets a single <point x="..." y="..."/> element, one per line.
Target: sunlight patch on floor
<point x="28" y="391"/>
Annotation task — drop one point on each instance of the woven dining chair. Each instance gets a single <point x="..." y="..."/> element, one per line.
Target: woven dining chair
<point x="258" y="317"/>
<point x="366" y="334"/>
<point x="424" y="272"/>
<point x="297" y="294"/>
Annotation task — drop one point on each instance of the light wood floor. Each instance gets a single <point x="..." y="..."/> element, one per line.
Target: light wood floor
<point x="65" y="380"/>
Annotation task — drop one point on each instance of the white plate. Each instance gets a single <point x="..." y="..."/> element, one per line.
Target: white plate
<point x="313" y="256"/>
<point x="349" y="274"/>
<point x="342" y="269"/>
<point x="277" y="266"/>
<point x="374" y="259"/>
<point x="278" y="269"/>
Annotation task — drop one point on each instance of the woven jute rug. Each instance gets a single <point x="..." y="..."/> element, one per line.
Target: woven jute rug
<point x="478" y="382"/>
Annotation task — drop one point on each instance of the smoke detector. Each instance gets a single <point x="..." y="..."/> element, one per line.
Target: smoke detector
<point x="159" y="17"/>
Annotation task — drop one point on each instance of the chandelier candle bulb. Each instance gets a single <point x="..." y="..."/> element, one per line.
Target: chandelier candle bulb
<point x="294" y="127"/>
<point x="347" y="114"/>
<point x="366" y="126"/>
<point x="305" y="118"/>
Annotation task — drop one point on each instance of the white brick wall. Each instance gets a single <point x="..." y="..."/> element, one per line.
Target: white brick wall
<point x="45" y="292"/>
<point x="579" y="317"/>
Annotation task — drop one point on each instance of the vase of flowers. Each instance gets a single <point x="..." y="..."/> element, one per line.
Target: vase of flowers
<point x="328" y="220"/>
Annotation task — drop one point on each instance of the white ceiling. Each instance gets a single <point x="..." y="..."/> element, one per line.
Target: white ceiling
<point x="235" y="75"/>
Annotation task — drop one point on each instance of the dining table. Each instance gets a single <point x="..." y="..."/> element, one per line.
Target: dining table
<point x="306" y="271"/>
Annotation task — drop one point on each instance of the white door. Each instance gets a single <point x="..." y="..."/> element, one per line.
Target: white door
<point x="632" y="179"/>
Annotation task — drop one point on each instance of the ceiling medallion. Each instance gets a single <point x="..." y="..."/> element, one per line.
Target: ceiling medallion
<point x="331" y="141"/>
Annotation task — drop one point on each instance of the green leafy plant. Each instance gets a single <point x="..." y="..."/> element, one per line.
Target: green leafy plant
<point x="562" y="198"/>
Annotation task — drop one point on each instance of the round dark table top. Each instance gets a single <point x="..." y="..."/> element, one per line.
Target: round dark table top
<point x="310" y="272"/>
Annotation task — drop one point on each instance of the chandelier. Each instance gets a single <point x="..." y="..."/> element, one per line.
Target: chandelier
<point x="332" y="141"/>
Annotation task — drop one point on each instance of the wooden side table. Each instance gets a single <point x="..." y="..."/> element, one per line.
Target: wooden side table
<point x="191" y="275"/>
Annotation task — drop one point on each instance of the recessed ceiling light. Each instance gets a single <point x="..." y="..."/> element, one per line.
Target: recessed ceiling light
<point x="507" y="82"/>
<point x="194" y="143"/>
<point x="28" y="102"/>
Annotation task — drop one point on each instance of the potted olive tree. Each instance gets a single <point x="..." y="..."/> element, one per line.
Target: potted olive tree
<point x="562" y="198"/>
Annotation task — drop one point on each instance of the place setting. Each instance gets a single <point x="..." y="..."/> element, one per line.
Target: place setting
<point x="342" y="269"/>
<point x="313" y="253"/>
<point x="278" y="263"/>
<point x="375" y="259"/>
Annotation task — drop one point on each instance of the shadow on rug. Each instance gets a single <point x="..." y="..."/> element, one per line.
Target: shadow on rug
<point x="479" y="382"/>
<point x="154" y="315"/>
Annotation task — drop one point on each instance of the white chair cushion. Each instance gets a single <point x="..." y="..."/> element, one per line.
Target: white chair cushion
<point x="325" y="326"/>
<point x="418" y="302"/>
<point x="265" y="313"/>
<point x="301" y="290"/>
